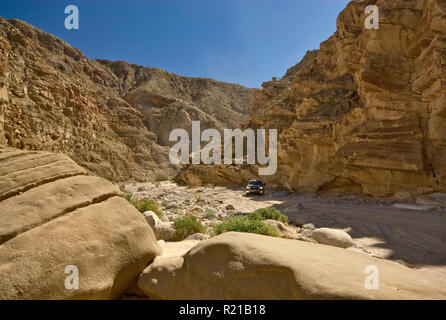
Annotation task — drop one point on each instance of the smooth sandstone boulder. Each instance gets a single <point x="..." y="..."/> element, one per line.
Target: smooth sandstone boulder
<point x="164" y="231"/>
<point x="332" y="237"/>
<point x="248" y="266"/>
<point x="53" y="215"/>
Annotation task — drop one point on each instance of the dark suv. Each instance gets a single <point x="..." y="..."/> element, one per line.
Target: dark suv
<point x="256" y="187"/>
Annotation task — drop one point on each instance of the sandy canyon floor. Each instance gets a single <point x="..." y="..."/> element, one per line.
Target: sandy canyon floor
<point x="413" y="234"/>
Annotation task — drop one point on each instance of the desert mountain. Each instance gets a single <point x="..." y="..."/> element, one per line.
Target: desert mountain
<point x="112" y="118"/>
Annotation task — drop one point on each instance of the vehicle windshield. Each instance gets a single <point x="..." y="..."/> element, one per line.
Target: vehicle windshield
<point x="255" y="183"/>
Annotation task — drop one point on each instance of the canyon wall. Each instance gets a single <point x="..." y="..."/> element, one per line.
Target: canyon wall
<point x="112" y="118"/>
<point x="367" y="112"/>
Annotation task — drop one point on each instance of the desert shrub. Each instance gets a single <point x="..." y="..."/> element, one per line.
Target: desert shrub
<point x="186" y="226"/>
<point x="245" y="224"/>
<point x="210" y="214"/>
<point x="129" y="197"/>
<point x="144" y="205"/>
<point x="268" y="213"/>
<point x="161" y="177"/>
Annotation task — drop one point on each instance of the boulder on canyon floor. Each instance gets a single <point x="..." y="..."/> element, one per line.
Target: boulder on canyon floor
<point x="248" y="266"/>
<point x="332" y="237"/>
<point x="53" y="215"/>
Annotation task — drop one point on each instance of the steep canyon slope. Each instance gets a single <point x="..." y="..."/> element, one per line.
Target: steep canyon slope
<point x="366" y="113"/>
<point x="112" y="118"/>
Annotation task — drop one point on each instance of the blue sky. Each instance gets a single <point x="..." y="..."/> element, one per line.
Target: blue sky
<point x="239" y="41"/>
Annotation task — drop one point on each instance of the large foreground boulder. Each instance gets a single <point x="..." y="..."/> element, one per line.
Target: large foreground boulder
<point x="248" y="266"/>
<point x="52" y="216"/>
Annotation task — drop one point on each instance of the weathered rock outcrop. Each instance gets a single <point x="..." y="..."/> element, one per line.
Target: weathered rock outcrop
<point x="112" y="118"/>
<point x="366" y="112"/>
<point x="248" y="266"/>
<point x="54" y="215"/>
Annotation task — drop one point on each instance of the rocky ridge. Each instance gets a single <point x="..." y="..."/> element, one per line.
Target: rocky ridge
<point x="112" y="118"/>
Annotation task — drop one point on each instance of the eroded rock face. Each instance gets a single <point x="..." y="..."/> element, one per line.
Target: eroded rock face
<point x="366" y="112"/>
<point x="112" y="118"/>
<point x="248" y="266"/>
<point x="53" y="215"/>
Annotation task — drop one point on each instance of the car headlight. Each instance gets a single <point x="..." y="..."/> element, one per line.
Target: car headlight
<point x="261" y="188"/>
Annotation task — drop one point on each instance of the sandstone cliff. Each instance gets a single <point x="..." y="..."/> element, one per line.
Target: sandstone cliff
<point x="367" y="112"/>
<point x="112" y="118"/>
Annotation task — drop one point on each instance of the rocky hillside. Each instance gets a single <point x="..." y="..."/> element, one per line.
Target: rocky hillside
<point x="367" y="112"/>
<point x="112" y="118"/>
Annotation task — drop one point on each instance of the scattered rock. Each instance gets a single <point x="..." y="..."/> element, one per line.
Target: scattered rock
<point x="198" y="236"/>
<point x="332" y="237"/>
<point x="164" y="231"/>
<point x="151" y="218"/>
<point x="172" y="206"/>
<point x="309" y="226"/>
<point x="283" y="230"/>
<point x="230" y="207"/>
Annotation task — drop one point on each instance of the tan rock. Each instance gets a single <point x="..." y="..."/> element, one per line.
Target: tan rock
<point x="52" y="215"/>
<point x="332" y="237"/>
<point x="171" y="258"/>
<point x="249" y="266"/>
<point x="151" y="218"/>
<point x="164" y="231"/>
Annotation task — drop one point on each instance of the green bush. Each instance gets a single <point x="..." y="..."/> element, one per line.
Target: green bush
<point x="245" y="224"/>
<point x="161" y="177"/>
<point x="210" y="214"/>
<point x="268" y="213"/>
<point x="128" y="197"/>
<point x="144" y="205"/>
<point x="186" y="226"/>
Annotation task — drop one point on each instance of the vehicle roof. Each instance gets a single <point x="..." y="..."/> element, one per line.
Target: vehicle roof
<point x="255" y="181"/>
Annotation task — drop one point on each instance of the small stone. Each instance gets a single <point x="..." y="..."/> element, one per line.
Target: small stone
<point x="308" y="226"/>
